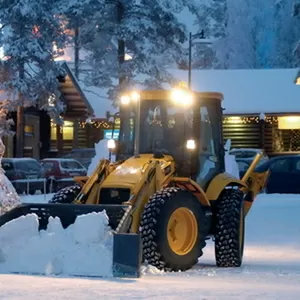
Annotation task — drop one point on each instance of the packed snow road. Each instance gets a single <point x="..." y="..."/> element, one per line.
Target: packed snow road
<point x="271" y="268"/>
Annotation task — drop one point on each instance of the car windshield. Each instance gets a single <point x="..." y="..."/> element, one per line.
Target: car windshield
<point x="71" y="165"/>
<point x="244" y="154"/>
<point x="7" y="166"/>
<point x="28" y="166"/>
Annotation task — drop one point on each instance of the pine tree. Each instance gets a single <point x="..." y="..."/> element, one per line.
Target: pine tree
<point x="237" y="27"/>
<point x="29" y="30"/>
<point x="286" y="35"/>
<point x="148" y="31"/>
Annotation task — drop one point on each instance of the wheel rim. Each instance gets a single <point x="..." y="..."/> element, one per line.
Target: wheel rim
<point x="182" y="231"/>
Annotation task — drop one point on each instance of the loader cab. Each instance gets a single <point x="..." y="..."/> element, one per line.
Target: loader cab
<point x="165" y="128"/>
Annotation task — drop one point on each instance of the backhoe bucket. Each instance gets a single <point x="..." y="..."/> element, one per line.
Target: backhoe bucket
<point x="127" y="252"/>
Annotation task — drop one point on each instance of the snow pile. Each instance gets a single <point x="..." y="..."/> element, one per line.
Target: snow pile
<point x="101" y="153"/>
<point x="150" y="270"/>
<point x="231" y="166"/>
<point x="83" y="249"/>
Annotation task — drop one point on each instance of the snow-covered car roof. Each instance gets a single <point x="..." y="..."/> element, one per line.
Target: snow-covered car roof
<point x="246" y="149"/>
<point x="59" y="159"/>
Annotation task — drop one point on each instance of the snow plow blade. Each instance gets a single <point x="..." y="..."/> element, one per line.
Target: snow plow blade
<point x="127" y="249"/>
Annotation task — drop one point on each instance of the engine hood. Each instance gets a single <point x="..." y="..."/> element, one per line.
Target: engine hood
<point x="129" y="173"/>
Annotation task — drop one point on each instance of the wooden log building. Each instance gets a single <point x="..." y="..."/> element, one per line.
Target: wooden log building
<point x="43" y="138"/>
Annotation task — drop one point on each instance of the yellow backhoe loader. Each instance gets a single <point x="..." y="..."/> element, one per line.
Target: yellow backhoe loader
<point x="168" y="191"/>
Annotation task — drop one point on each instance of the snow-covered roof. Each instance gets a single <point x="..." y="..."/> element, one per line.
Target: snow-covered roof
<point x="249" y="91"/>
<point x="245" y="91"/>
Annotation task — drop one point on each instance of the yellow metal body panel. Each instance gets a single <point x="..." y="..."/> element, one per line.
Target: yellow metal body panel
<point x="143" y="175"/>
<point x="191" y="185"/>
<point x="131" y="172"/>
<point x="219" y="183"/>
<point x="256" y="183"/>
<point x="81" y="180"/>
<point x="165" y="95"/>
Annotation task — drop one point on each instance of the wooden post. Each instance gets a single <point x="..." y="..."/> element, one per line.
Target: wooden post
<point x="59" y="139"/>
<point x="75" y="134"/>
<point x="20" y="132"/>
<point x="262" y="124"/>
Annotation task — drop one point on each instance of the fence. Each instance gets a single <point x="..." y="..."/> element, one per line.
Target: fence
<point x="45" y="185"/>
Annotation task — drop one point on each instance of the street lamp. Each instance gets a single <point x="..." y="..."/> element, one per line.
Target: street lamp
<point x="199" y="35"/>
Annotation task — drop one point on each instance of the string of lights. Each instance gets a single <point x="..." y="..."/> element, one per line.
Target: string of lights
<point x="248" y="120"/>
<point x="227" y="120"/>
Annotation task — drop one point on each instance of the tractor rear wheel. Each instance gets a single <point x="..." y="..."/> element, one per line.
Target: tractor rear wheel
<point x="229" y="229"/>
<point x="66" y="195"/>
<point x="173" y="230"/>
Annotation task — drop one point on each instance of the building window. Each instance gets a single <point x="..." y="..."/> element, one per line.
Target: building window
<point x="286" y="134"/>
<point x="28" y="129"/>
<point x="67" y="131"/>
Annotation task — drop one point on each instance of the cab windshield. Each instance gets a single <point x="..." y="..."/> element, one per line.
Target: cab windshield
<point x="162" y="129"/>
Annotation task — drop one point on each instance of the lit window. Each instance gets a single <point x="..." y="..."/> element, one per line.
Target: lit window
<point x="67" y="131"/>
<point x="28" y="129"/>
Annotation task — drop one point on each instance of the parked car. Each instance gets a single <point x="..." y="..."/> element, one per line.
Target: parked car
<point x="243" y="166"/>
<point x="26" y="174"/>
<point x="248" y="154"/>
<point x="284" y="175"/>
<point x="60" y="172"/>
<point x="83" y="155"/>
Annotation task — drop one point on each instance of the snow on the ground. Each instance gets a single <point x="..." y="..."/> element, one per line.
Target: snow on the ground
<point x="39" y="198"/>
<point x="271" y="268"/>
<point x="25" y="249"/>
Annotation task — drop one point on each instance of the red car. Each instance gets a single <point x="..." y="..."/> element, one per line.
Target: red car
<point x="60" y="172"/>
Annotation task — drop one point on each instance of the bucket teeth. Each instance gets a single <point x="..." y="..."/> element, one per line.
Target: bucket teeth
<point x="125" y="222"/>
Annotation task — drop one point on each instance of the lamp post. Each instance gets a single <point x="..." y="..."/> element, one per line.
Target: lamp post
<point x="199" y="35"/>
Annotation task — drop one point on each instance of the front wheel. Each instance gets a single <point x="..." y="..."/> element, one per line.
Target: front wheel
<point x="230" y="229"/>
<point x="173" y="230"/>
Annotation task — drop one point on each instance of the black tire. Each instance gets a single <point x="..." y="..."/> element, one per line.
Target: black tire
<point x="156" y="249"/>
<point x="230" y="229"/>
<point x="66" y="195"/>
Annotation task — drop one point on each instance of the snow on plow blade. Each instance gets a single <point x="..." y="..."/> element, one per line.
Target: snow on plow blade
<point x="127" y="251"/>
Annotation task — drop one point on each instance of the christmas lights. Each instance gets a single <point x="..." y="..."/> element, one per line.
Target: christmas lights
<point x="248" y="120"/>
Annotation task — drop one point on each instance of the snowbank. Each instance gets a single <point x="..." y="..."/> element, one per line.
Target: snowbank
<point x="84" y="248"/>
<point x="231" y="166"/>
<point x="101" y="153"/>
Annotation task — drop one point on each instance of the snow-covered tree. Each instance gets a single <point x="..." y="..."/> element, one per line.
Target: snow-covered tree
<point x="240" y="46"/>
<point x="148" y="31"/>
<point x="286" y="31"/>
<point x="28" y="32"/>
<point x="242" y="31"/>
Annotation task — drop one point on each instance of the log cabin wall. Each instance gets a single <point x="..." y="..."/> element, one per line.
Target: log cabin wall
<point x="251" y="132"/>
<point x="244" y="132"/>
<point x="76" y="134"/>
